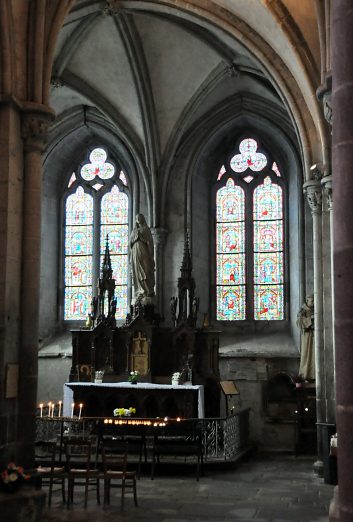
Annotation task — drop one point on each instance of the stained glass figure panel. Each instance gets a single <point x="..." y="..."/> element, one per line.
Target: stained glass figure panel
<point x="268" y="268"/>
<point x="78" y="270"/>
<point x="118" y="238"/>
<point x="230" y="303"/>
<point x="79" y="208"/>
<point x="268" y="201"/>
<point x="114" y="207"/>
<point x="121" y="304"/>
<point x="120" y="268"/>
<point x="230" y="269"/>
<point x="248" y="157"/>
<point x="230" y="237"/>
<point x="78" y="240"/>
<point x="230" y="202"/>
<point x="77" y="302"/>
<point x="268" y="302"/>
<point x="268" y="236"/>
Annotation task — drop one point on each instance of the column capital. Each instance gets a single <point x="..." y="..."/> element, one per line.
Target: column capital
<point x="313" y="192"/>
<point x="159" y="235"/>
<point x="326" y="183"/>
<point x="35" y="125"/>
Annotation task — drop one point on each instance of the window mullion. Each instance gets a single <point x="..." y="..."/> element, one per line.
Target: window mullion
<point x="96" y="261"/>
<point x="249" y="233"/>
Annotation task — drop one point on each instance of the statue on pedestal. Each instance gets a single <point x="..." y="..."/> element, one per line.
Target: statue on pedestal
<point x="142" y="260"/>
<point x="305" y="321"/>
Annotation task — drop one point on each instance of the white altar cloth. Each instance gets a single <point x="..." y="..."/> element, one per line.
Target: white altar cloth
<point x="68" y="392"/>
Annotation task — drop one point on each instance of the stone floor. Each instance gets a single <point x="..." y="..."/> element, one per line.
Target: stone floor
<point x="263" y="488"/>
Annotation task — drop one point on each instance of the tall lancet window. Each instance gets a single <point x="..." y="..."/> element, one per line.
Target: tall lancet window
<point x="96" y="205"/>
<point x="250" y="237"/>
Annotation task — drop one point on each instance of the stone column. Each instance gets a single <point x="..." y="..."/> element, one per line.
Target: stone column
<point x="159" y="237"/>
<point x="342" y="161"/>
<point x="313" y="192"/>
<point x="34" y="133"/>
<point x="329" y="341"/>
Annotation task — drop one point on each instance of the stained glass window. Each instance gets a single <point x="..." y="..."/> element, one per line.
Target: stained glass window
<point x="115" y="225"/>
<point x="248" y="157"/>
<point x="230" y="241"/>
<point x="268" y="251"/>
<point x="249" y="238"/>
<point x="78" y="254"/>
<point x="89" y="218"/>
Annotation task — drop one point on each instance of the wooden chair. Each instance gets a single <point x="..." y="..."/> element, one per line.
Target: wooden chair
<point x="116" y="475"/>
<point x="131" y="437"/>
<point x="182" y="439"/>
<point x="81" y="469"/>
<point x="49" y="473"/>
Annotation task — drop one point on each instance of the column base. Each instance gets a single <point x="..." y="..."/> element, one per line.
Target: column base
<point x="333" y="514"/>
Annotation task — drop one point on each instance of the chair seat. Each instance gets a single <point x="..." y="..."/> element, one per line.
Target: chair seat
<point x="78" y="453"/>
<point x="114" y="459"/>
<point x="50" y="474"/>
<point x="44" y="470"/>
<point x="119" y="474"/>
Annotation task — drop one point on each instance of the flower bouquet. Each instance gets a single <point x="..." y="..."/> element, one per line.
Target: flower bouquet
<point x="12" y="477"/>
<point x="133" y="377"/>
<point x="124" y="412"/>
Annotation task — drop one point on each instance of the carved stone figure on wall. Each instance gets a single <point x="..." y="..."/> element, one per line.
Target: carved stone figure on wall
<point x="142" y="259"/>
<point x="305" y="321"/>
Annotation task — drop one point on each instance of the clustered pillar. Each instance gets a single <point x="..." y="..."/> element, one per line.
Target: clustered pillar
<point x="342" y="89"/>
<point x="34" y="134"/>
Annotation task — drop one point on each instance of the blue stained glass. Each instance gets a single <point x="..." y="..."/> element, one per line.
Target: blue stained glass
<point x="268" y="252"/>
<point x="230" y="237"/>
<point x="268" y="268"/>
<point x="121" y="305"/>
<point x="120" y="268"/>
<point x="230" y="269"/>
<point x="268" y="201"/>
<point x="268" y="302"/>
<point x="230" y="202"/>
<point x="115" y="207"/>
<point x="78" y="240"/>
<point x="230" y="303"/>
<point x="77" y="302"/>
<point x="78" y="270"/>
<point x="268" y="236"/>
<point x="118" y="238"/>
<point x="79" y="208"/>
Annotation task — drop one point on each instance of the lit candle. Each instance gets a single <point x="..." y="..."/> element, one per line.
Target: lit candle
<point x="41" y="409"/>
<point x="72" y="409"/>
<point x="49" y="409"/>
<point x="79" y="415"/>
<point x="60" y="403"/>
<point x="52" y="409"/>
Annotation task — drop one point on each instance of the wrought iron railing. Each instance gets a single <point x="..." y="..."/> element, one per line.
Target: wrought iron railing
<point x="223" y="439"/>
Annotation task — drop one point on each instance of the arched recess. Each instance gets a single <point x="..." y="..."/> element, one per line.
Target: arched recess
<point x="294" y="84"/>
<point x="196" y="171"/>
<point x="70" y="140"/>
